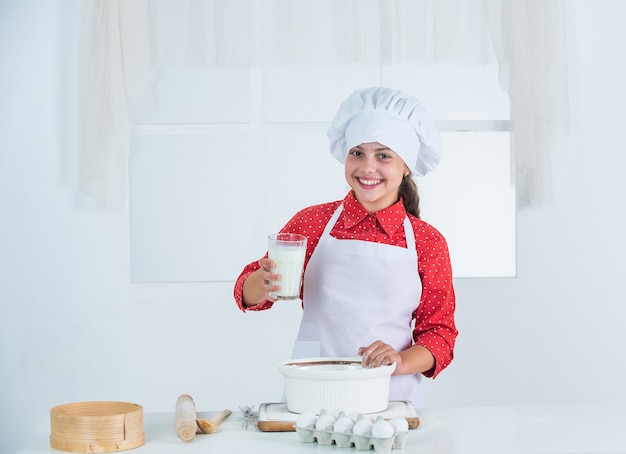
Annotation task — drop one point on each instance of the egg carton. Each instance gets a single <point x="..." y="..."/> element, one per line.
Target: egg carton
<point x="395" y="434"/>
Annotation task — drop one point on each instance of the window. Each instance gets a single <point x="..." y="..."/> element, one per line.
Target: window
<point x="228" y="155"/>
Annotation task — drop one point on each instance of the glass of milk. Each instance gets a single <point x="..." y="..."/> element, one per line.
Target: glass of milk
<point x="287" y="250"/>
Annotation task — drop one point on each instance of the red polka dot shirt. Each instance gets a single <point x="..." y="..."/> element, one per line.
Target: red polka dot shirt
<point x="434" y="314"/>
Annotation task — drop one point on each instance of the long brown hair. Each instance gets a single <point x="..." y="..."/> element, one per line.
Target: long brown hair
<point x="410" y="196"/>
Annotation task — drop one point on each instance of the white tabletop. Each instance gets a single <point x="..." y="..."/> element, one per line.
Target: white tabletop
<point x="484" y="430"/>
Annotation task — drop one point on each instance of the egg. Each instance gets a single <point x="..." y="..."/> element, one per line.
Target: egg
<point x="306" y="420"/>
<point x="362" y="427"/>
<point x="325" y="421"/>
<point x="382" y="429"/>
<point x="343" y="424"/>
<point x="399" y="424"/>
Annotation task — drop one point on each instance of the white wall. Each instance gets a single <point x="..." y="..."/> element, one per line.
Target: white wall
<point x="72" y="327"/>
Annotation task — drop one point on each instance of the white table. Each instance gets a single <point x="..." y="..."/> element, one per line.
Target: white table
<point x="484" y="430"/>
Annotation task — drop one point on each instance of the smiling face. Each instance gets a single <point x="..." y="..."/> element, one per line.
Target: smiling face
<point x="374" y="173"/>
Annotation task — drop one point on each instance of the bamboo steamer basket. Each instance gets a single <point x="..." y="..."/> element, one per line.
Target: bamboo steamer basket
<point x="102" y="426"/>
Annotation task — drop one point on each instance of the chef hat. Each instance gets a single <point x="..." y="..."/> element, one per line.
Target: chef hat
<point x="392" y="118"/>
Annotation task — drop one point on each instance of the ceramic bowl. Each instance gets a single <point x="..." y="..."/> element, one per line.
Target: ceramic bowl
<point x="313" y="384"/>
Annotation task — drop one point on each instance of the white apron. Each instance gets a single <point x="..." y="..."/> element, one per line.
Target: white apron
<point x="356" y="292"/>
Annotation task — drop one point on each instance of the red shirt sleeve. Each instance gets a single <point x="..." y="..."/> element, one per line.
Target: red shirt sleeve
<point x="435" y="327"/>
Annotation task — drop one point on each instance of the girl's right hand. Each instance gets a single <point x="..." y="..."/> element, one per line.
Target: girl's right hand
<point x="267" y="276"/>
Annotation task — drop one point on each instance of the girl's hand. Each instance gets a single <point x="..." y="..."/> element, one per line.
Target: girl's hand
<point x="267" y="275"/>
<point x="380" y="354"/>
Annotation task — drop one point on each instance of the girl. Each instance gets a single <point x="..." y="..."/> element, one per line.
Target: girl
<point x="377" y="280"/>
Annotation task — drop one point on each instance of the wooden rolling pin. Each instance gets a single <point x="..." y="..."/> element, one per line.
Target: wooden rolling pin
<point x="186" y="421"/>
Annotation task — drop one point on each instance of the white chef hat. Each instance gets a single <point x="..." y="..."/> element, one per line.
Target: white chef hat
<point x="392" y="118"/>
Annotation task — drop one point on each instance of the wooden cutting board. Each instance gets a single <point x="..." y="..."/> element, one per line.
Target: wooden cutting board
<point x="275" y="417"/>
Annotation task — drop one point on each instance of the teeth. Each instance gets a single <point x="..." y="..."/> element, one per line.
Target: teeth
<point x="369" y="182"/>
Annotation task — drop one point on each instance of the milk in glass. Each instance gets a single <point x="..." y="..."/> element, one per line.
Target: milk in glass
<point x="287" y="250"/>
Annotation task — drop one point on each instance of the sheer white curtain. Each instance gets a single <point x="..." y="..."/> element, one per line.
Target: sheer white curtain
<point x="122" y="42"/>
<point x="114" y="79"/>
<point x="530" y="40"/>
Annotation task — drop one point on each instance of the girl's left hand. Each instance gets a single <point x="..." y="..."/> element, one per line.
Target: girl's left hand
<point x="380" y="354"/>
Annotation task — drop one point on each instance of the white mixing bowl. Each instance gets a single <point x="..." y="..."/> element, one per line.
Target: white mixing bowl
<point x="314" y="384"/>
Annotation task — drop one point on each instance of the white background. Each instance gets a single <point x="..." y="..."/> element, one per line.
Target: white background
<point x="73" y="328"/>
